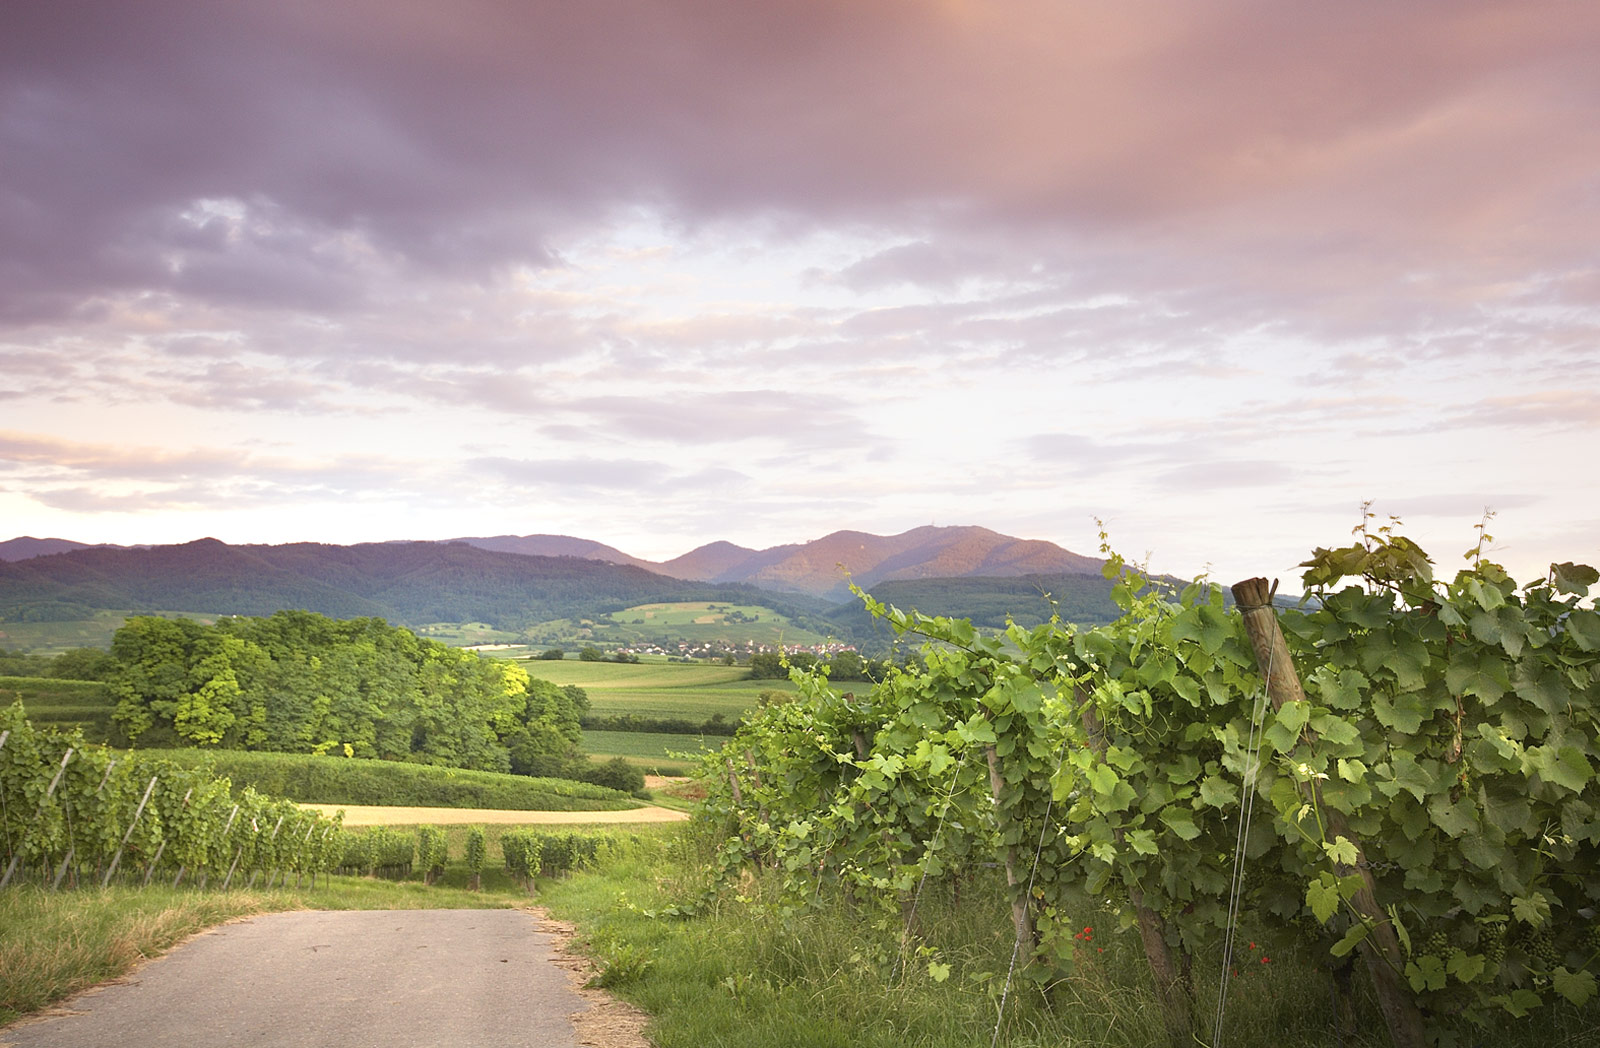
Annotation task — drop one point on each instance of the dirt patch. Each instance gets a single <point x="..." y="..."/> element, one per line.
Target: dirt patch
<point x="607" y="1022"/>
<point x="375" y="815"/>
<point x="658" y="782"/>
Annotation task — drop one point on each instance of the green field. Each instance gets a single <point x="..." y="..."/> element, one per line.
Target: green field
<point x="695" y="622"/>
<point x="52" y="638"/>
<point x="661" y="689"/>
<point x="649" y="750"/>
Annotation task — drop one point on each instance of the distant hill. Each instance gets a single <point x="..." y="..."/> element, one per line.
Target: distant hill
<point x="562" y="546"/>
<point x="513" y="581"/>
<point x="26" y="546"/>
<point x="709" y="562"/>
<point x="819" y="567"/>
<point x="410" y="583"/>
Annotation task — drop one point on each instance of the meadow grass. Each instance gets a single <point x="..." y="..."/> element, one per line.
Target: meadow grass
<point x="742" y="973"/>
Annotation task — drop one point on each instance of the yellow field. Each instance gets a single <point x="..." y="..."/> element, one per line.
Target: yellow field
<point x="374" y="815"/>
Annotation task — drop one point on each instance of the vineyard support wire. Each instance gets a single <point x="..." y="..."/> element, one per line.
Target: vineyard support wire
<point x="17" y="856"/>
<point x="5" y="809"/>
<point x="1247" y="804"/>
<point x="1016" y="947"/>
<point x="126" y="837"/>
<point x="916" y="897"/>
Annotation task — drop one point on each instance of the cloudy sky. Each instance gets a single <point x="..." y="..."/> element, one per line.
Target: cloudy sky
<point x="663" y="273"/>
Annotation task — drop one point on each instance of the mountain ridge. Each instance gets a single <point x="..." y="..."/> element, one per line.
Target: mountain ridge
<point x="823" y="567"/>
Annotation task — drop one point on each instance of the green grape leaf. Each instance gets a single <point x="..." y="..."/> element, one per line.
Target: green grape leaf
<point x="1180" y="821"/>
<point x="1403" y="713"/>
<point x="1465" y="966"/>
<point x="1322" y="895"/>
<point x="1574" y="578"/>
<point x="1532" y="910"/>
<point x="1218" y="792"/>
<point x="1351" y="940"/>
<point x="1577" y="987"/>
<point x="1518" y="1002"/>
<point x="1143" y="842"/>
<point x="1294" y="715"/>
<point x="1454" y="819"/>
<point x="1583" y="626"/>
<point x="1425" y="973"/>
<point x="1342" y="851"/>
<point x="1103" y="779"/>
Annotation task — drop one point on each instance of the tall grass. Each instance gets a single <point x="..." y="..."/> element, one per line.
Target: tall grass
<point x="741" y="973"/>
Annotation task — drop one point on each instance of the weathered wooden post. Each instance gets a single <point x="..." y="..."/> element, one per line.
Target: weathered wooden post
<point x="1381" y="948"/>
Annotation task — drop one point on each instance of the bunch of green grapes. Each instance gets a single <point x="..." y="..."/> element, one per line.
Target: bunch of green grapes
<point x="1492" y="939"/>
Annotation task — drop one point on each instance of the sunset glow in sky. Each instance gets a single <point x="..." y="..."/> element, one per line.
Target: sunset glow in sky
<point x="660" y="274"/>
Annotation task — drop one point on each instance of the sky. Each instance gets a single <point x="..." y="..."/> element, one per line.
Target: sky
<point x="658" y="274"/>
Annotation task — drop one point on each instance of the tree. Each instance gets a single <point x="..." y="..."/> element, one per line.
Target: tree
<point x="590" y="653"/>
<point x="552" y="655"/>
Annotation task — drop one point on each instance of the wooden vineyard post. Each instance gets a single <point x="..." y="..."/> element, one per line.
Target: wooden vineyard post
<point x="1381" y="948"/>
<point x="1177" y="1003"/>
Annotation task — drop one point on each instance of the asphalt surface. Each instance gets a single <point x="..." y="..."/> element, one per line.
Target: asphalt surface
<point x="379" y="978"/>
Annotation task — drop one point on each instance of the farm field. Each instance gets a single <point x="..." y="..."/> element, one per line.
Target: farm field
<point x="52" y="638"/>
<point x="696" y="622"/>
<point x="389" y="815"/>
<point x="696" y="692"/>
<point x="649" y="749"/>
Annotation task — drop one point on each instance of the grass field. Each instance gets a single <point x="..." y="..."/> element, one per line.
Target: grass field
<point x="663" y="689"/>
<point x="52" y="638"/>
<point x="696" y="622"/>
<point x="648" y="749"/>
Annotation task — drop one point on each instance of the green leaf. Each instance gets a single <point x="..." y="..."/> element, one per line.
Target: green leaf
<point x="1465" y="966"/>
<point x="1454" y="819"/>
<point x="1322" y="895"/>
<point x="1518" y="1002"/>
<point x="1294" y="715"/>
<point x="1351" y="940"/>
<point x="1583" y="626"/>
<point x="1574" y="578"/>
<point x="1426" y="973"/>
<point x="1143" y="842"/>
<point x="1352" y="770"/>
<point x="1342" y="851"/>
<point x="938" y="972"/>
<point x="1103" y="779"/>
<point x="1577" y="987"/>
<point x="1218" y="792"/>
<point x="1566" y="767"/>
<point x="1403" y="713"/>
<point x="1180" y="821"/>
<point x="1533" y="910"/>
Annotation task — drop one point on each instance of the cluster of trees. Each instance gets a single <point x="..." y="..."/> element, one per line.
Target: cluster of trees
<point x="298" y="682"/>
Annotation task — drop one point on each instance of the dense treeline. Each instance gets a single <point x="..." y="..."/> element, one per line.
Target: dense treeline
<point x="298" y="682"/>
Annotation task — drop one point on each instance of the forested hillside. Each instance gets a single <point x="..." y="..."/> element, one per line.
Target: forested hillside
<point x="410" y="582"/>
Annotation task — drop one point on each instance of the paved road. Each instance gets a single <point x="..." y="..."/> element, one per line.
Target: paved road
<point x="379" y="978"/>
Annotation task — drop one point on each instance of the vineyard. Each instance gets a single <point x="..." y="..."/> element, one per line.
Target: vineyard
<point x="74" y="813"/>
<point x="1400" y="772"/>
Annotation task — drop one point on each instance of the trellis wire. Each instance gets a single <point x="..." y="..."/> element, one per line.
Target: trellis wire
<point x="1247" y="804"/>
<point x="916" y="897"/>
<point x="1016" y="947"/>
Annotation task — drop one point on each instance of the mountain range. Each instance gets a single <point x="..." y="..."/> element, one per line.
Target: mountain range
<point x="512" y="581"/>
<point x="824" y="567"/>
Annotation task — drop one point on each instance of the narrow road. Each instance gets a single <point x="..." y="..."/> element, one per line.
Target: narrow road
<point x="379" y="978"/>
